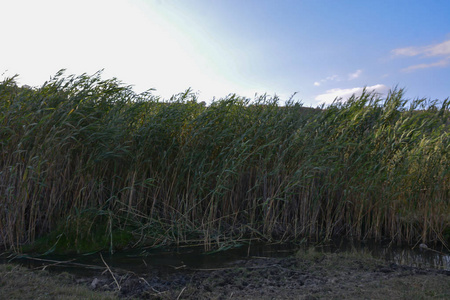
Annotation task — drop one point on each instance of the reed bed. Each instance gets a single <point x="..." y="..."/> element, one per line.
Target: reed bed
<point x="87" y="159"/>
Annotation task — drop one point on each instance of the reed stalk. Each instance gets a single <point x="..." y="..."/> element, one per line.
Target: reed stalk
<point x="178" y="171"/>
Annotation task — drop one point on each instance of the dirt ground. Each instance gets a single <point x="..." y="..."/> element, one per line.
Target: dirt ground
<point x="307" y="275"/>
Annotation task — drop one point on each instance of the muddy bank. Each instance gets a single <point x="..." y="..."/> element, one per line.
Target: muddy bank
<point x="307" y="275"/>
<point x="312" y="276"/>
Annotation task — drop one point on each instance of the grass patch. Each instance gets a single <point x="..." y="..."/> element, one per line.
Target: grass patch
<point x="17" y="282"/>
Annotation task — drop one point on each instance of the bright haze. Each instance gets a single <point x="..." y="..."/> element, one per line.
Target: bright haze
<point x="319" y="49"/>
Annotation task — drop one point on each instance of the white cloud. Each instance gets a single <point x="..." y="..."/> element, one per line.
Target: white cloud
<point x="354" y="75"/>
<point x="332" y="78"/>
<point x="442" y="63"/>
<point x="329" y="78"/>
<point x="438" y="50"/>
<point x="335" y="77"/>
<point x="332" y="94"/>
<point x="442" y="49"/>
<point x="408" y="51"/>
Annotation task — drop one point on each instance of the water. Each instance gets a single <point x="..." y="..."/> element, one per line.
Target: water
<point x="170" y="260"/>
<point x="144" y="260"/>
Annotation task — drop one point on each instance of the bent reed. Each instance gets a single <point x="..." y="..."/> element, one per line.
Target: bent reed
<point x="87" y="159"/>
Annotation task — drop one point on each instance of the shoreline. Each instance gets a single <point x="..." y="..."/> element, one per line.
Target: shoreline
<point x="307" y="275"/>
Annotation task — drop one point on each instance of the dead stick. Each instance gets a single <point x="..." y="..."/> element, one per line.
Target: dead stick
<point x="181" y="293"/>
<point x="117" y="283"/>
<point x="67" y="262"/>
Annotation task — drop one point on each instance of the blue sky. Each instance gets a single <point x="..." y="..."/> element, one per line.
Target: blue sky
<point x="318" y="49"/>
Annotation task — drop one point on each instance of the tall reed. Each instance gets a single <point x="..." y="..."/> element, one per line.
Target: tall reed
<point x="178" y="171"/>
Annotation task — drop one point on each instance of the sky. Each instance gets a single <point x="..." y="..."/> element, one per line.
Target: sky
<point x="313" y="50"/>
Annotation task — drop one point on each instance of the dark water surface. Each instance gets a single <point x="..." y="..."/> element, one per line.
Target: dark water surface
<point x="170" y="260"/>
